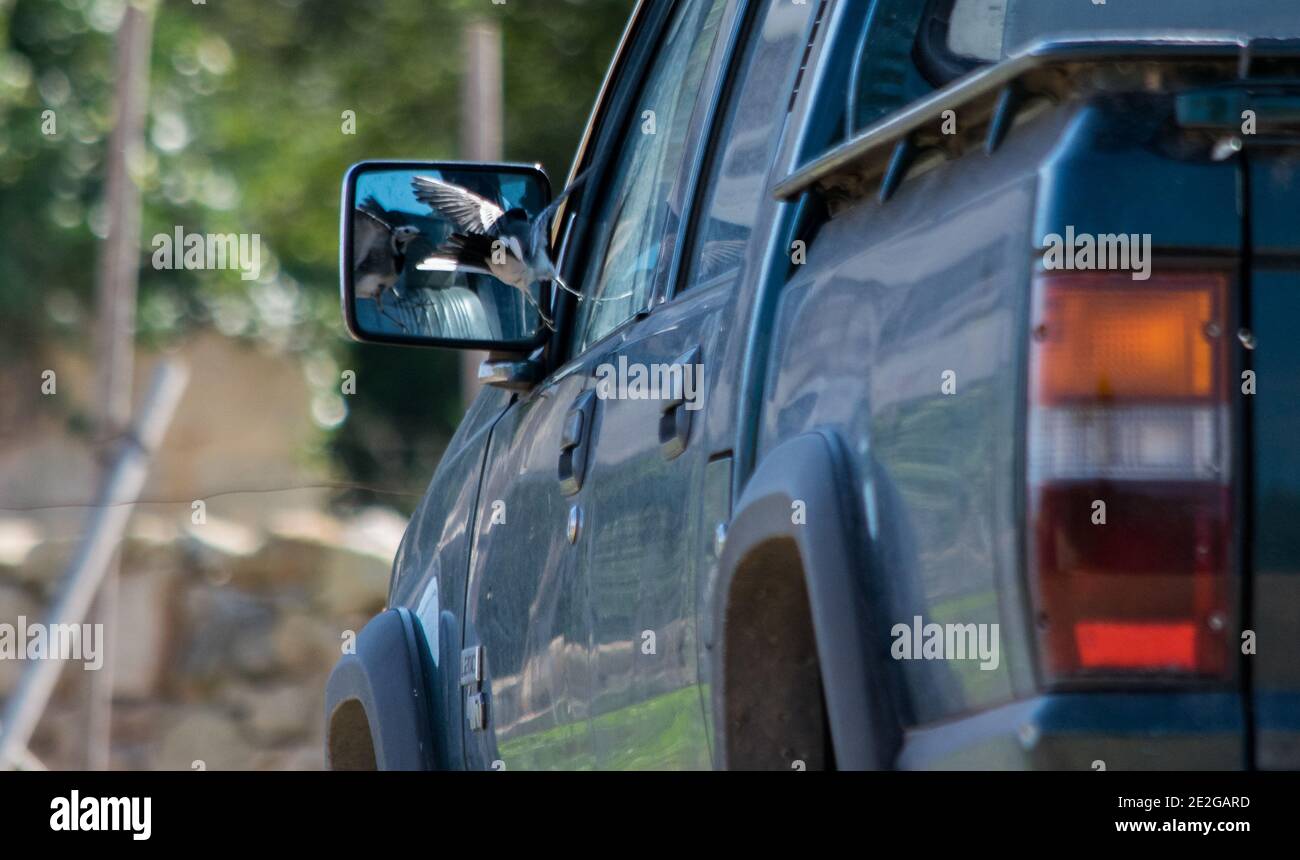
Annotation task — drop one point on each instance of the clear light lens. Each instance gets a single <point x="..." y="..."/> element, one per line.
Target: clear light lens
<point x="1135" y="443"/>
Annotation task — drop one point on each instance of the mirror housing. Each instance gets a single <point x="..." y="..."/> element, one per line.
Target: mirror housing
<point x="423" y="250"/>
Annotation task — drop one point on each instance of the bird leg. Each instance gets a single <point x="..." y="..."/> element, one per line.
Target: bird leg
<point x="570" y="290"/>
<point x="559" y="282"/>
<point x="546" y="320"/>
<point x="379" y="302"/>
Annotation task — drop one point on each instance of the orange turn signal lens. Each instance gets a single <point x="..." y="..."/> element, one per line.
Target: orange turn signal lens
<point x="1106" y="337"/>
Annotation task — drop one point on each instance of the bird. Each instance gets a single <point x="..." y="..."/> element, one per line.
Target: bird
<point x="379" y="247"/>
<point x="495" y="239"/>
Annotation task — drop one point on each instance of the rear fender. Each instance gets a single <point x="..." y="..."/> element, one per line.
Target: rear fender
<point x="833" y="550"/>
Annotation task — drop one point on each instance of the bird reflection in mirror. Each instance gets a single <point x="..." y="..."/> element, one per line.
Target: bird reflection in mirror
<point x="491" y="239"/>
<point x="379" y="246"/>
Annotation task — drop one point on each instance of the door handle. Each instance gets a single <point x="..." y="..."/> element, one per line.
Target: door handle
<point x="675" y="420"/>
<point x="574" y="436"/>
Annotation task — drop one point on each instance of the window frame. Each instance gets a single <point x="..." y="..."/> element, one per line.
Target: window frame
<point x="795" y="138"/>
<point x="747" y="28"/>
<point x="833" y="67"/>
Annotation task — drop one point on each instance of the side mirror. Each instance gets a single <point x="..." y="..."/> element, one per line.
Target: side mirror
<point x="431" y="254"/>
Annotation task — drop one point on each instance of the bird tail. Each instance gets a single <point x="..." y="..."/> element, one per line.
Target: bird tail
<point x="468" y="249"/>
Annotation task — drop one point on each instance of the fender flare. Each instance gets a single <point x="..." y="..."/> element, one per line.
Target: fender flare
<point x="386" y="678"/>
<point x="835" y="549"/>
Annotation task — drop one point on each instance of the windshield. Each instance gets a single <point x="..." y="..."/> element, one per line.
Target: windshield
<point x="989" y="30"/>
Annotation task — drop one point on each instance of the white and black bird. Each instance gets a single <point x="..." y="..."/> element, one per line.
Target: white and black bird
<point x="379" y="248"/>
<point x="523" y="255"/>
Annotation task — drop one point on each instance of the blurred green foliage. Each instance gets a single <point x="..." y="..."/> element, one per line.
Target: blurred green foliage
<point x="245" y="134"/>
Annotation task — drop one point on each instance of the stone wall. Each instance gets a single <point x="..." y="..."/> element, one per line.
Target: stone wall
<point x="226" y="629"/>
<point x="224" y="637"/>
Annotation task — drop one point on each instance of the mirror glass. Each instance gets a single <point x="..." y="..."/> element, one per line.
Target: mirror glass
<point x="435" y="253"/>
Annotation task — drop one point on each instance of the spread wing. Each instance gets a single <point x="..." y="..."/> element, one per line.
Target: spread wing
<point x="462" y="207"/>
<point x="541" y="225"/>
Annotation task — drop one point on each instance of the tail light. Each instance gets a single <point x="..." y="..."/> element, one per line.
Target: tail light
<point x="1129" y="490"/>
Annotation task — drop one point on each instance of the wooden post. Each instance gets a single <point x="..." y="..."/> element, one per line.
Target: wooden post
<point x="115" y="300"/>
<point x="480" y="135"/>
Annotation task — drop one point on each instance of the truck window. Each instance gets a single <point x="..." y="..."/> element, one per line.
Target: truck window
<point x="874" y="66"/>
<point x="638" y="213"/>
<point x="989" y="30"/>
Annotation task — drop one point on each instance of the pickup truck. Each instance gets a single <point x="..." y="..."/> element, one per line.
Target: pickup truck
<point x="903" y="384"/>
